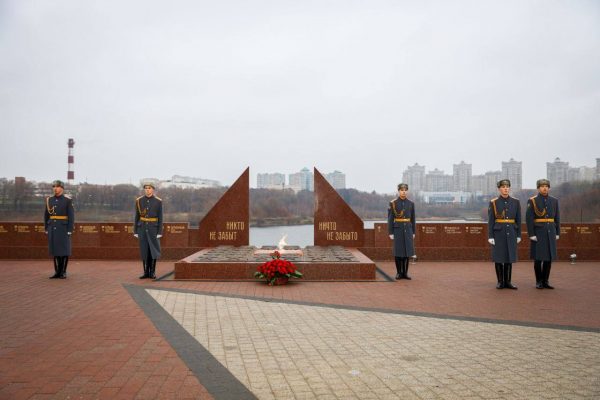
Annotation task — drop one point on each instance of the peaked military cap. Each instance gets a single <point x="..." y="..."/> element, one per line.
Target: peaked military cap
<point x="503" y="182"/>
<point x="542" y="182"/>
<point x="58" y="183"/>
<point x="402" y="186"/>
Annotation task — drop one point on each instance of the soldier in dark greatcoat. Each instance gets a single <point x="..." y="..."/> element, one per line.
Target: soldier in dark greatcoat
<point x="504" y="233"/>
<point x="59" y="219"/>
<point x="147" y="228"/>
<point x="543" y="229"/>
<point x="402" y="228"/>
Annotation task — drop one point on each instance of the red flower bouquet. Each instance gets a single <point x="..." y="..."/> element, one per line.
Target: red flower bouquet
<point x="277" y="270"/>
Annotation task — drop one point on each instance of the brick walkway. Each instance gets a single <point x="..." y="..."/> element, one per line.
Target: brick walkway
<point x="99" y="334"/>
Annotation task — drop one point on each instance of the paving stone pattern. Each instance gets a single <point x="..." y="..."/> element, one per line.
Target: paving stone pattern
<point x="283" y="350"/>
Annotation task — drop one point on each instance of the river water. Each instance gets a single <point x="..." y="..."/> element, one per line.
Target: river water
<point x="302" y="235"/>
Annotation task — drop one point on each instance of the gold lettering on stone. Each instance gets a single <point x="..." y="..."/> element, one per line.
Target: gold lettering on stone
<point x="565" y="229"/>
<point x="110" y="229"/>
<point x="474" y="230"/>
<point x="22" y="229"/>
<point x="235" y="225"/>
<point x="3" y="229"/>
<point x="452" y="230"/>
<point x="346" y="235"/>
<point x="328" y="226"/>
<point x="88" y="229"/>
<point x="429" y="229"/>
<point x="584" y="230"/>
<point x="39" y="228"/>
<point x="129" y="229"/>
<point x="212" y="235"/>
<point x="176" y="229"/>
<point x="226" y="235"/>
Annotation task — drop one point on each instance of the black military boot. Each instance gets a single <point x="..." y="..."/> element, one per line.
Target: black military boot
<point x="500" y="284"/>
<point x="61" y="263"/>
<point x="63" y="271"/>
<point x="508" y="276"/>
<point x="56" y="270"/>
<point x="405" y="270"/>
<point x="145" y="263"/>
<point x="537" y="267"/>
<point x="152" y="269"/>
<point x="546" y="275"/>
<point x="398" y="262"/>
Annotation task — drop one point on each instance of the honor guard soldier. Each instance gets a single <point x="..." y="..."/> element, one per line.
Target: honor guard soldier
<point x="147" y="228"/>
<point x="504" y="233"/>
<point x="402" y="228"/>
<point x="59" y="219"/>
<point x="543" y="229"/>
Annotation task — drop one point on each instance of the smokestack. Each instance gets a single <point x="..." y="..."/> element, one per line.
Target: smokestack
<point x="71" y="161"/>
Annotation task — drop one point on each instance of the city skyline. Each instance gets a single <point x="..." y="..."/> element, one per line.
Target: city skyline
<point x="191" y="88"/>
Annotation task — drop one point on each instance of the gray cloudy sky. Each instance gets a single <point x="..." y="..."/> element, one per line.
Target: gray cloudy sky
<point x="206" y="88"/>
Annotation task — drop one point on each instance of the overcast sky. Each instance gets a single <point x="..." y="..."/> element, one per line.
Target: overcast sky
<point x="207" y="88"/>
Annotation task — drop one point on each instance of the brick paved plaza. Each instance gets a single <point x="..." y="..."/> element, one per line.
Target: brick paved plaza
<point x="448" y="333"/>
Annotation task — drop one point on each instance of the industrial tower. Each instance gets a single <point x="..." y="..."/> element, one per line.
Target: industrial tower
<point x="71" y="160"/>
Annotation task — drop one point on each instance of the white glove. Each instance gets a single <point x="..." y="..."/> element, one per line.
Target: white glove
<point x="135" y="235"/>
<point x="533" y="238"/>
<point x="392" y="237"/>
<point x="518" y="240"/>
<point x="46" y="232"/>
<point x="557" y="237"/>
<point x="69" y="233"/>
<point x="414" y="235"/>
<point x="492" y="242"/>
<point x="158" y="236"/>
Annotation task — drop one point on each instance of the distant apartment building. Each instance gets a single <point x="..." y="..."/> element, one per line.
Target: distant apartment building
<point x="581" y="174"/>
<point x="336" y="179"/>
<point x="462" y="174"/>
<point x="478" y="187"/>
<point x="303" y="180"/>
<point x="491" y="182"/>
<point x="445" y="197"/>
<point x="557" y="172"/>
<point x="184" y="182"/>
<point x="414" y="177"/>
<point x="270" y="181"/>
<point x="437" y="181"/>
<point x="513" y="171"/>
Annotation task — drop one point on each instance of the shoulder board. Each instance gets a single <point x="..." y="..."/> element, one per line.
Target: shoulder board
<point x="393" y="201"/>
<point x="68" y="197"/>
<point x="494" y="199"/>
<point x="137" y="198"/>
<point x="158" y="198"/>
<point x="532" y="198"/>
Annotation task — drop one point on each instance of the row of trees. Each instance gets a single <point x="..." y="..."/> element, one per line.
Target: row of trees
<point x="24" y="201"/>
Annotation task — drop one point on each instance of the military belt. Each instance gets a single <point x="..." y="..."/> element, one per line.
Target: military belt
<point x="505" y="221"/>
<point x="148" y="219"/>
<point x="544" y="220"/>
<point x="59" y="217"/>
<point x="401" y="219"/>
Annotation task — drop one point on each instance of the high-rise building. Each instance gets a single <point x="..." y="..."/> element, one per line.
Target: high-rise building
<point x="437" y="181"/>
<point x="478" y="187"/>
<point x="303" y="180"/>
<point x="270" y="181"/>
<point x="557" y="172"/>
<point x="581" y="174"/>
<point x="462" y="174"/>
<point x="414" y="177"/>
<point x="513" y="171"/>
<point x="336" y="179"/>
<point x="491" y="182"/>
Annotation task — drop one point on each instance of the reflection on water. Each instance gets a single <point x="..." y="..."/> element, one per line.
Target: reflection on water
<point x="297" y="235"/>
<point x="303" y="235"/>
